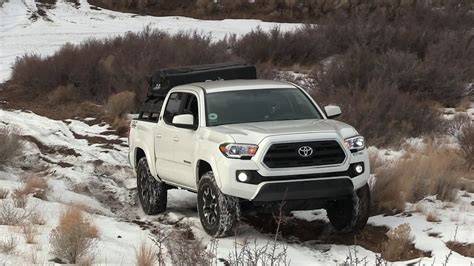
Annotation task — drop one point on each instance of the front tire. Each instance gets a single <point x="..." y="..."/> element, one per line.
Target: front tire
<point x="350" y="215"/>
<point x="153" y="194"/>
<point x="219" y="213"/>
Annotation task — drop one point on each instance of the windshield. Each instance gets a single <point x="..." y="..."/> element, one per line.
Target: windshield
<point x="246" y="106"/>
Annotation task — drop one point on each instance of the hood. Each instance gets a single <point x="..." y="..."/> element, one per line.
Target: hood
<point x="254" y="133"/>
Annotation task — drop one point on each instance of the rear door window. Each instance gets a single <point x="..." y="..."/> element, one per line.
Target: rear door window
<point x="173" y="107"/>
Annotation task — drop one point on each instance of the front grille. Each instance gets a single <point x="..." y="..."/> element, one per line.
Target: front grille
<point x="286" y="155"/>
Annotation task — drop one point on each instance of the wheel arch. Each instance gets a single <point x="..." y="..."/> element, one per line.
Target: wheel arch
<point x="140" y="153"/>
<point x="203" y="166"/>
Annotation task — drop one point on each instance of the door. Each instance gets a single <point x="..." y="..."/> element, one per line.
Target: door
<point x="164" y="137"/>
<point x="185" y="142"/>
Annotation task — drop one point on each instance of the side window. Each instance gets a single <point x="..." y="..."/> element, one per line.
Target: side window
<point x="173" y="106"/>
<point x="191" y="107"/>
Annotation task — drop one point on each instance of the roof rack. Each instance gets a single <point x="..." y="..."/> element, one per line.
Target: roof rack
<point x="165" y="79"/>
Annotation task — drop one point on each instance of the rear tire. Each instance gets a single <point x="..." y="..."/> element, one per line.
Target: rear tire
<point x="219" y="213"/>
<point x="153" y="194"/>
<point x="350" y="215"/>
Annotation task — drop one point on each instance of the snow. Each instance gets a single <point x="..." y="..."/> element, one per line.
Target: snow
<point x="455" y="219"/>
<point x="100" y="179"/>
<point x="67" y="24"/>
<point x="107" y="192"/>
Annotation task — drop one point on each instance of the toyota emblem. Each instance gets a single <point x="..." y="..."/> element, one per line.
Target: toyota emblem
<point x="305" y="151"/>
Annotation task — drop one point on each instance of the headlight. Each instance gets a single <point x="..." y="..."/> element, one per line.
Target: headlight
<point x="355" y="144"/>
<point x="238" y="151"/>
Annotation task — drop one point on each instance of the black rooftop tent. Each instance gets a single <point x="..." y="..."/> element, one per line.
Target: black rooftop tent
<point x="164" y="80"/>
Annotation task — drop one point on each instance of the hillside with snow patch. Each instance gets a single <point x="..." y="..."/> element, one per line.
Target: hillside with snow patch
<point x="86" y="163"/>
<point x="26" y="27"/>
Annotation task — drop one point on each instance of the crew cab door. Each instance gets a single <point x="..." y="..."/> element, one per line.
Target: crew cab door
<point x="175" y="146"/>
<point x="185" y="142"/>
<point x="164" y="136"/>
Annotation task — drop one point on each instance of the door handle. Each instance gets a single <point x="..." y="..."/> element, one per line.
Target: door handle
<point x="175" y="139"/>
<point x="158" y="136"/>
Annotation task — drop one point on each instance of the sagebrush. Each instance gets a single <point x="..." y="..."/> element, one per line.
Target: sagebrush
<point x="11" y="145"/>
<point x="75" y="237"/>
<point x="432" y="171"/>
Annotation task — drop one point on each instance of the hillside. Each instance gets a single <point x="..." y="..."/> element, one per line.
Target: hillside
<point x="71" y="74"/>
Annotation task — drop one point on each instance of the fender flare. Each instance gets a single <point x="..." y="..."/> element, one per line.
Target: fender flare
<point x="212" y="162"/>
<point x="148" y="157"/>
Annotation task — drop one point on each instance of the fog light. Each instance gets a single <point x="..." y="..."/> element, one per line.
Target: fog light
<point x="243" y="177"/>
<point x="359" y="169"/>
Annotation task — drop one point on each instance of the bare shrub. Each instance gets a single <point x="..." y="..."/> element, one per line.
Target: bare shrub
<point x="159" y="239"/>
<point x="184" y="249"/>
<point x="120" y="104"/>
<point x="12" y="145"/>
<point x="29" y="233"/>
<point x="145" y="255"/>
<point x="20" y="198"/>
<point x="63" y="94"/>
<point x="466" y="142"/>
<point x="9" y="215"/>
<point x="354" y="259"/>
<point x="100" y="68"/>
<point x="398" y="243"/>
<point x="381" y="113"/>
<point x="433" y="171"/>
<point x="74" y="238"/>
<point x="4" y="193"/>
<point x="247" y="253"/>
<point x="270" y="253"/>
<point x="36" y="218"/>
<point x="456" y="125"/>
<point x="8" y="244"/>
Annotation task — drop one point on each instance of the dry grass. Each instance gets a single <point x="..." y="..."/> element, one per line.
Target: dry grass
<point x="8" y="244"/>
<point x="29" y="233"/>
<point x="465" y="249"/>
<point x="75" y="237"/>
<point x="35" y="185"/>
<point x="120" y="104"/>
<point x="432" y="217"/>
<point x="433" y="171"/>
<point x="145" y="255"/>
<point x="398" y="243"/>
<point x="4" y="193"/>
<point x="11" y="145"/>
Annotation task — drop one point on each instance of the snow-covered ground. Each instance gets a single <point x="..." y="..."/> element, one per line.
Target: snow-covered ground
<point x="86" y="164"/>
<point x="19" y="34"/>
<point x="97" y="177"/>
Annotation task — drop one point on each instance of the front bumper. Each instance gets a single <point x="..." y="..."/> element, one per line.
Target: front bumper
<point x="305" y="189"/>
<point x="292" y="184"/>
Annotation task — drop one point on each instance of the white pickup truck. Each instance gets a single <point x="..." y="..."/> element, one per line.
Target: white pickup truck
<point x="250" y="142"/>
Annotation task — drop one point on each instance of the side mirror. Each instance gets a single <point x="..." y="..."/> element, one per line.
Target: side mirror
<point x="332" y="111"/>
<point x="184" y="121"/>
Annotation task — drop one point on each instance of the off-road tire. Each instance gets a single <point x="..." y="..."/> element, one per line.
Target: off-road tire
<point x="153" y="194"/>
<point x="219" y="213"/>
<point x="350" y="215"/>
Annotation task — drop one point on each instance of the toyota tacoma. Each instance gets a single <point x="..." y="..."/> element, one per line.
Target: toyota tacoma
<point x="237" y="141"/>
